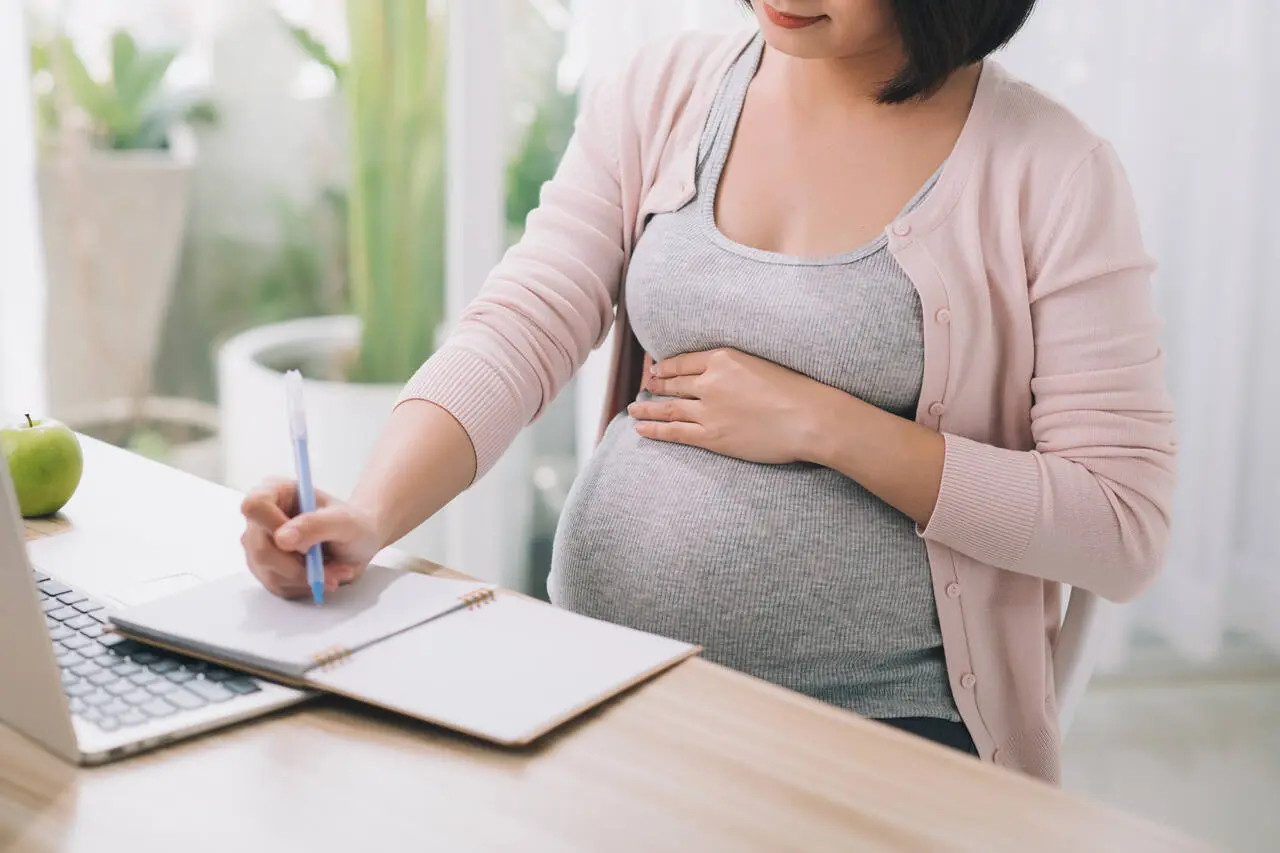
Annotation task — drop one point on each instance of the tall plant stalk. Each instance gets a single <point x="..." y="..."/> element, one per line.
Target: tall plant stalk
<point x="395" y="90"/>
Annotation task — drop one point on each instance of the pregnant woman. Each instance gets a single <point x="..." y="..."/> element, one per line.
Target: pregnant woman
<point x="886" y="370"/>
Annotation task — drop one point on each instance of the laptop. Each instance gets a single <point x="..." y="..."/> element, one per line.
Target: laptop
<point x="87" y="695"/>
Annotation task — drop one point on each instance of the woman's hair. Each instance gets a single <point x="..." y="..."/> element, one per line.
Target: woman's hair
<point x="941" y="36"/>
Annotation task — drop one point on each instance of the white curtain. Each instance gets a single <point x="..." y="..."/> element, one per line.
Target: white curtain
<point x="1186" y="90"/>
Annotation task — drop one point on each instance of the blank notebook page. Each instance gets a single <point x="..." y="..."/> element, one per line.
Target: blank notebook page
<point x="237" y="619"/>
<point x="507" y="671"/>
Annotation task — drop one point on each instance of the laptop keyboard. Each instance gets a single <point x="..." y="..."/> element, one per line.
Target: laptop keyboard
<point x="113" y="682"/>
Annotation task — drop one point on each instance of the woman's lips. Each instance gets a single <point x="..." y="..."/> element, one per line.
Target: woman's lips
<point x="791" y="22"/>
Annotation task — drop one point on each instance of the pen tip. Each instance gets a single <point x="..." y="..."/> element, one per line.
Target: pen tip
<point x="317" y="593"/>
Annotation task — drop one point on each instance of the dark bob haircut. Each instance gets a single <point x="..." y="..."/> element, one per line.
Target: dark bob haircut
<point x="942" y="36"/>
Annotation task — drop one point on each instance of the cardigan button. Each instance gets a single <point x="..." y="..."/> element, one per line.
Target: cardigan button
<point x="937" y="410"/>
<point x="953" y="590"/>
<point x="902" y="229"/>
<point x="968" y="680"/>
<point x="943" y="316"/>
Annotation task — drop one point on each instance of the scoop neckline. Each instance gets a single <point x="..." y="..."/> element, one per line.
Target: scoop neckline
<point x="707" y="201"/>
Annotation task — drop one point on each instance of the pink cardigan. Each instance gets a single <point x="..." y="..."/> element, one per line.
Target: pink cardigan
<point x="1042" y="365"/>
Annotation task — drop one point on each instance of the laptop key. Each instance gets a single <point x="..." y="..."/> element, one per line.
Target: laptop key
<point x="87" y="606"/>
<point x="91" y="714"/>
<point x="160" y="687"/>
<point x="60" y="631"/>
<point x="119" y="688"/>
<point x="125" y="668"/>
<point x="63" y="613"/>
<point x="242" y="686"/>
<point x="163" y="665"/>
<point x="209" y="691"/>
<point x="80" y="688"/>
<point x="74" y="641"/>
<point x="52" y="587"/>
<point x="185" y="699"/>
<point x="98" y="699"/>
<point x="48" y="604"/>
<point x="40" y="576"/>
<point x="86" y="669"/>
<point x="102" y="677"/>
<point x="137" y="697"/>
<point x="219" y="675"/>
<point x="143" y="678"/>
<point x="69" y="678"/>
<point x="69" y="659"/>
<point x="81" y="620"/>
<point x="125" y="648"/>
<point x="180" y="676"/>
<point x="92" y="650"/>
<point x="196" y="665"/>
<point x="72" y="597"/>
<point x="102" y="635"/>
<point x="102" y="617"/>
<point x="158" y="708"/>
<point x="76" y="705"/>
<point x="108" y="724"/>
<point x="132" y="717"/>
<point x="144" y="657"/>
<point x="115" y="708"/>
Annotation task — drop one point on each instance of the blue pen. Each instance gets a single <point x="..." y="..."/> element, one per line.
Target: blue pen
<point x="306" y="490"/>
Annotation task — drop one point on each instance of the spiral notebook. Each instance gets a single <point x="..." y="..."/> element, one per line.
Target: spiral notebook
<point x="458" y="654"/>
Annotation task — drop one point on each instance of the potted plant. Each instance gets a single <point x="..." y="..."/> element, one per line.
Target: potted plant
<point x="113" y="182"/>
<point x="113" y="193"/>
<point x="393" y="209"/>
<point x="355" y="365"/>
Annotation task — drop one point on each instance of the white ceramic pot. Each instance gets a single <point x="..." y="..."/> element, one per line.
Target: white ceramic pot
<point x="180" y="433"/>
<point x="344" y="422"/>
<point x="112" y="227"/>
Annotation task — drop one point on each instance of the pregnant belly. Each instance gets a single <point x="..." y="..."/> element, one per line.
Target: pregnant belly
<point x="757" y="563"/>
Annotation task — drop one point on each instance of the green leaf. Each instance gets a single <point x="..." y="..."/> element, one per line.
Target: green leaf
<point x="313" y="48"/>
<point x="124" y="54"/>
<point x="92" y="97"/>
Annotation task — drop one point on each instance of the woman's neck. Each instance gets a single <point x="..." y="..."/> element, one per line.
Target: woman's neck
<point x="846" y="84"/>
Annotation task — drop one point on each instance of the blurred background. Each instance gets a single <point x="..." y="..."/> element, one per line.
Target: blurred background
<point x="197" y="196"/>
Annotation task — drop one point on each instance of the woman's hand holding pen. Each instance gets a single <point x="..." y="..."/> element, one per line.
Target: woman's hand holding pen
<point x="276" y="538"/>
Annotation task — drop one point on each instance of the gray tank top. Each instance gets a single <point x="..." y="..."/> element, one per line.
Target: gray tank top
<point x="791" y="573"/>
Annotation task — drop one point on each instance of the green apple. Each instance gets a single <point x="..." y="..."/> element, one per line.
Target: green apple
<point x="45" y="463"/>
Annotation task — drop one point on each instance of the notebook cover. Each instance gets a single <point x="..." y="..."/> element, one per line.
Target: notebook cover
<point x="508" y="671"/>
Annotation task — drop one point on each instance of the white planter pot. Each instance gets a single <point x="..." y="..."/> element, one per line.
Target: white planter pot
<point x="344" y="421"/>
<point x="179" y="433"/>
<point x="112" y="225"/>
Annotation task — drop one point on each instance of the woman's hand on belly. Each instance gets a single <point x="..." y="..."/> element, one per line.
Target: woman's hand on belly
<point x="738" y="405"/>
<point x="733" y="404"/>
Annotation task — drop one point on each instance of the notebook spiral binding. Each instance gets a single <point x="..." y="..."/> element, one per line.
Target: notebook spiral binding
<point x="478" y="598"/>
<point x="331" y="657"/>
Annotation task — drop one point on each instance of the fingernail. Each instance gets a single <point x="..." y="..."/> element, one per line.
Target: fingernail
<point x="287" y="537"/>
<point x="653" y="371"/>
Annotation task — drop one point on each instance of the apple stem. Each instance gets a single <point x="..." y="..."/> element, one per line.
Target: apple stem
<point x="30" y="422"/>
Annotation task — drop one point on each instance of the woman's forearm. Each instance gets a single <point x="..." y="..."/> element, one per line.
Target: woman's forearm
<point x="897" y="460"/>
<point x="423" y="460"/>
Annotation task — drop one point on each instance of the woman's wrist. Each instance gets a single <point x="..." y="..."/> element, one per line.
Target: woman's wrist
<point x="830" y="417"/>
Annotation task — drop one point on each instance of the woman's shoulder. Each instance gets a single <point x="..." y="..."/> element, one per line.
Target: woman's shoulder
<point x="1029" y="123"/>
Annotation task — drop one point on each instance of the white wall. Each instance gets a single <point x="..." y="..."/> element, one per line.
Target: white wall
<point x="21" y="269"/>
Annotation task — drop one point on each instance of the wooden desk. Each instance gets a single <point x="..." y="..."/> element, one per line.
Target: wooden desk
<point x="702" y="759"/>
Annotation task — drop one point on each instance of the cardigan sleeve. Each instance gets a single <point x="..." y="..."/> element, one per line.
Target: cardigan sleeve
<point x="547" y="304"/>
<point x="1090" y="505"/>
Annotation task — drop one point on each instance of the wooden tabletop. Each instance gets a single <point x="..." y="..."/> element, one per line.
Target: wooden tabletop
<point x="700" y="759"/>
